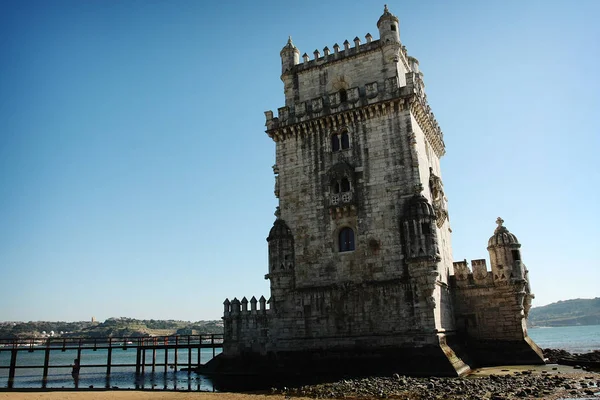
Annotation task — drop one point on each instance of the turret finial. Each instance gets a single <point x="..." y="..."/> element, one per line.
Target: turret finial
<point x="290" y="40"/>
<point x="385" y="9"/>
<point x="499" y="221"/>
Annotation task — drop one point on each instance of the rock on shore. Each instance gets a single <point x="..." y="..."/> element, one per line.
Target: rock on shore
<point x="495" y="387"/>
<point x="547" y="383"/>
<point x="563" y="357"/>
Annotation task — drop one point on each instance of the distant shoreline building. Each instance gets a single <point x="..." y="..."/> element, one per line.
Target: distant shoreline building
<point x="360" y="257"/>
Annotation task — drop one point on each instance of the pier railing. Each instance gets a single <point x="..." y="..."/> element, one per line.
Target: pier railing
<point x="142" y="345"/>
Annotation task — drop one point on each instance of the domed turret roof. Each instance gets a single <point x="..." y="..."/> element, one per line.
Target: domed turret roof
<point x="417" y="207"/>
<point x="280" y="230"/>
<point x="502" y="237"/>
<point x="289" y="46"/>
<point x="386" y="16"/>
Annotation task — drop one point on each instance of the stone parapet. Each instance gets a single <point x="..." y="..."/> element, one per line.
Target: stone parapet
<point x="368" y="100"/>
<point x="344" y="54"/>
<point x="245" y="329"/>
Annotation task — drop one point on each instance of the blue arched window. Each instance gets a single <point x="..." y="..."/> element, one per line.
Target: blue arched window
<point x="346" y="240"/>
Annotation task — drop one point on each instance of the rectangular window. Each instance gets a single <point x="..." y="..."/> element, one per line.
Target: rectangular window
<point x="516" y="254"/>
<point x="426" y="228"/>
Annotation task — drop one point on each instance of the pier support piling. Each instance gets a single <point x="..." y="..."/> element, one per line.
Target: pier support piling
<point x="138" y="357"/>
<point x="166" y="357"/>
<point x="189" y="356"/>
<point x="11" y="371"/>
<point x="109" y="359"/>
<point x="143" y="360"/>
<point x="46" y="362"/>
<point x="153" y="359"/>
<point x="176" y="351"/>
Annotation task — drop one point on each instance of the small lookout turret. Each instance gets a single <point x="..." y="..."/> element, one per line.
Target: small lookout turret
<point x="389" y="27"/>
<point x="505" y="255"/>
<point x="290" y="56"/>
<point x="281" y="260"/>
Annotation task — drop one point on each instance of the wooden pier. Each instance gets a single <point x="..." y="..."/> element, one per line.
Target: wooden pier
<point x="142" y="346"/>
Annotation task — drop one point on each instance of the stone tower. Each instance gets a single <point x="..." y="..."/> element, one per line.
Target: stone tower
<point x="360" y="254"/>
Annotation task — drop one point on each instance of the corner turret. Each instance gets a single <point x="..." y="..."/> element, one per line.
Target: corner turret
<point x="505" y="255"/>
<point x="281" y="260"/>
<point x="420" y="236"/>
<point x="290" y="56"/>
<point x="389" y="27"/>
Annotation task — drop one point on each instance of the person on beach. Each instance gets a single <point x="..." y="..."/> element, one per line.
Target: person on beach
<point x="75" y="371"/>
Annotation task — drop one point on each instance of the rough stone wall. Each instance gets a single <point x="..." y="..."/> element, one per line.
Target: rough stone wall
<point x="378" y="184"/>
<point x="246" y="329"/>
<point x="353" y="70"/>
<point x="488" y="310"/>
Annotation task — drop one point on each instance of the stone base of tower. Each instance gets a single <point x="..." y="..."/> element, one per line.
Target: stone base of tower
<point x="486" y="353"/>
<point x="445" y="358"/>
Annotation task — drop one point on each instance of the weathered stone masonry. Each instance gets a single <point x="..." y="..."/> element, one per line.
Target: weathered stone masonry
<point x="360" y="256"/>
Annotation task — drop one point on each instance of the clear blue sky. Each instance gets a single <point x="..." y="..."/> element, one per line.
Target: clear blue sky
<point x="135" y="174"/>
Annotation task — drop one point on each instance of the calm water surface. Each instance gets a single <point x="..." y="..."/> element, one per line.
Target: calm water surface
<point x="575" y="339"/>
<point x="121" y="377"/>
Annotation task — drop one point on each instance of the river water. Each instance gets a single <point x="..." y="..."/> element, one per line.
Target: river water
<point x="121" y="377"/>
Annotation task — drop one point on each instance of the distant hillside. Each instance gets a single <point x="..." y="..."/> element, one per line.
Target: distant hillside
<point x="567" y="313"/>
<point x="112" y="327"/>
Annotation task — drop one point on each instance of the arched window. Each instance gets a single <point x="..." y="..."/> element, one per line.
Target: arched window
<point x="346" y="240"/>
<point x="345" y="185"/>
<point x="345" y="140"/>
<point x="343" y="96"/>
<point x="340" y="141"/>
<point x="335" y="143"/>
<point x="336" y="187"/>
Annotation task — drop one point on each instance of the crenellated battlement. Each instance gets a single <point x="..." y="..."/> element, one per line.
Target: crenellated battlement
<point x="343" y="53"/>
<point x="245" y="327"/>
<point x="237" y="307"/>
<point x="367" y="100"/>
<point x="480" y="276"/>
